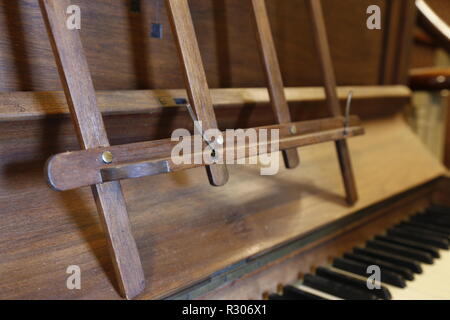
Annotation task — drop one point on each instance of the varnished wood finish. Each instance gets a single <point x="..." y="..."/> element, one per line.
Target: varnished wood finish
<point x="117" y="41"/>
<point x="15" y="106"/>
<point x="321" y="38"/>
<point x="89" y="125"/>
<point x="185" y="229"/>
<point x="155" y="157"/>
<point x="273" y="74"/>
<point x="430" y="79"/>
<point x="196" y="83"/>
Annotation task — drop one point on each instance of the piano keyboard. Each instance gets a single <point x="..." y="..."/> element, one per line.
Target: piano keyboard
<point x="413" y="258"/>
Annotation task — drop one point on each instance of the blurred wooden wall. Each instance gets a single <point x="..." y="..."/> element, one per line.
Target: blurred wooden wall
<point x="123" y="55"/>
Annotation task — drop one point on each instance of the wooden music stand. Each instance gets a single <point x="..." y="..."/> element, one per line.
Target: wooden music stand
<point x="102" y="166"/>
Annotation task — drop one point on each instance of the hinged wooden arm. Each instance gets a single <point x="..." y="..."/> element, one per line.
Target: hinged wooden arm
<point x="77" y="169"/>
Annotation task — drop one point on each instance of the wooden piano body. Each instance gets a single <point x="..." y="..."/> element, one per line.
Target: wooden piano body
<point x="239" y="241"/>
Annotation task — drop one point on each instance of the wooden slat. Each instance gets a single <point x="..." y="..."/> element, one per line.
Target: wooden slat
<point x="273" y="74"/>
<point x="321" y="39"/>
<point x="88" y="122"/>
<point x="195" y="77"/>
<point x="37" y="105"/>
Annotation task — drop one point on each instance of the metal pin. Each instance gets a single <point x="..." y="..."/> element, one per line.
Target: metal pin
<point x="347" y="112"/>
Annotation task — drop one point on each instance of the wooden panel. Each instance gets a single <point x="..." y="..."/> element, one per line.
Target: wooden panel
<point x="122" y="55"/>
<point x="37" y="105"/>
<point x="88" y="122"/>
<point x="185" y="230"/>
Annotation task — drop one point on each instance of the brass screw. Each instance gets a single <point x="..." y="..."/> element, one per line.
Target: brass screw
<point x="293" y="130"/>
<point x="107" y="157"/>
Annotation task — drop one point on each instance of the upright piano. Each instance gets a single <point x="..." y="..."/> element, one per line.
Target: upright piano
<point x="301" y="234"/>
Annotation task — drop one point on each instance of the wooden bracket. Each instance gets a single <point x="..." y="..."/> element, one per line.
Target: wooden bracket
<point x="142" y="159"/>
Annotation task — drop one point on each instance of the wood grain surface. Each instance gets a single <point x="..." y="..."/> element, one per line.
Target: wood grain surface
<point x="123" y="56"/>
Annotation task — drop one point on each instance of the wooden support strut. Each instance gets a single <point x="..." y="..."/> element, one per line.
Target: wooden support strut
<point x="195" y="77"/>
<point x="321" y="40"/>
<point x="273" y="75"/>
<point x="88" y="122"/>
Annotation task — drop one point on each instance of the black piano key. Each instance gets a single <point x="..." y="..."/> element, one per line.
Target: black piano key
<point x="382" y="293"/>
<point x="395" y="259"/>
<point x="440" y="209"/>
<point x="404" y="272"/>
<point x="275" y="296"/>
<point x="400" y="250"/>
<point x="360" y="268"/>
<point x="438" y="214"/>
<point x="422" y="231"/>
<point x="336" y="289"/>
<point x="293" y="293"/>
<point x="435" y="219"/>
<point x="433" y="251"/>
<point x="429" y="240"/>
<point x="426" y="219"/>
<point x="427" y="226"/>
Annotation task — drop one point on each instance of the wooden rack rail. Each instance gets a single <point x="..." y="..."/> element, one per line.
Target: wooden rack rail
<point x="24" y="106"/>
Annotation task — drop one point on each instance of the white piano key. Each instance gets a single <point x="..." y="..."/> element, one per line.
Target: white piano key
<point x="433" y="283"/>
<point x="321" y="294"/>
